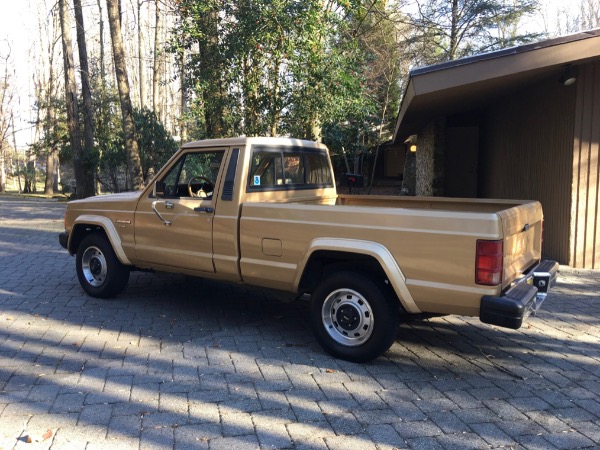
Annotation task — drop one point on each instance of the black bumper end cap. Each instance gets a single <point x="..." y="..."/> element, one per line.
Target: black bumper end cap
<point x="508" y="312"/>
<point x="63" y="239"/>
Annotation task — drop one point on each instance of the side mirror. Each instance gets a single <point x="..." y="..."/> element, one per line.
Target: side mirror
<point x="159" y="189"/>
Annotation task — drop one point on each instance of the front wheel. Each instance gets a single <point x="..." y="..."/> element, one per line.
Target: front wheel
<point x="352" y="318"/>
<point x="100" y="272"/>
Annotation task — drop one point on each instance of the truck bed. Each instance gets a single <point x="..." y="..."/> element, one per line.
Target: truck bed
<point x="432" y="239"/>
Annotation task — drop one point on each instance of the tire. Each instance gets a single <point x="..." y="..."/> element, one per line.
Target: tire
<point x="352" y="318"/>
<point x="100" y="272"/>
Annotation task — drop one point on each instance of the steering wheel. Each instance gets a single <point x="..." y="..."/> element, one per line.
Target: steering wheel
<point x="201" y="190"/>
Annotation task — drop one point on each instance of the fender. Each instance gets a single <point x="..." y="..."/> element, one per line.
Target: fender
<point x="373" y="249"/>
<point x="111" y="232"/>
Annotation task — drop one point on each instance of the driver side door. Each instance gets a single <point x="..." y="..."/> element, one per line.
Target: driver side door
<point x="174" y="224"/>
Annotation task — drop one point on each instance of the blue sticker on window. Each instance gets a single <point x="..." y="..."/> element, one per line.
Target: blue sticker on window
<point x="256" y="180"/>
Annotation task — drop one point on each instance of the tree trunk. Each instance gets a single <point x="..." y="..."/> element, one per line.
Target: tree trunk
<point x="315" y="131"/>
<point x="136" y="180"/>
<point x="50" y="124"/>
<point x="14" y="136"/>
<point x="71" y="99"/>
<point x="2" y="171"/>
<point x="156" y="66"/>
<point x="454" y="31"/>
<point x="141" y="65"/>
<point x="89" y="165"/>
<point x="275" y="112"/>
<point x="101" y="37"/>
<point x="183" y="99"/>
<point x="102" y="114"/>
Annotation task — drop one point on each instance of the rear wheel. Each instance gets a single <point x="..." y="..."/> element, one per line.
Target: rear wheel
<point x="100" y="272"/>
<point x="352" y="318"/>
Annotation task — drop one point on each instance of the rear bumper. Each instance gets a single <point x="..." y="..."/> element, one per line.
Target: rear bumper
<point x="524" y="298"/>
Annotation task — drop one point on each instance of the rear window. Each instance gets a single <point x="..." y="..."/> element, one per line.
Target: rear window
<point x="285" y="168"/>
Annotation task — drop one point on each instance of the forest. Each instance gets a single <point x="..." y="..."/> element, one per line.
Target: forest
<point x="118" y="85"/>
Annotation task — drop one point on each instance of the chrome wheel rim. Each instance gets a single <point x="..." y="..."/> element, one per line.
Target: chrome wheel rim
<point x="93" y="266"/>
<point x="347" y="317"/>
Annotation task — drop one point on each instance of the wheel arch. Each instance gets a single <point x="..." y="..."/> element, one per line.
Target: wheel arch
<point x="332" y="254"/>
<point x="87" y="224"/>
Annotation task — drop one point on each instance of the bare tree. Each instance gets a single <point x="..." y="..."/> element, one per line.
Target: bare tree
<point x="6" y="96"/>
<point x="141" y="56"/>
<point x="50" y="123"/>
<point x="71" y="99"/>
<point x="88" y="124"/>
<point x="136" y="179"/>
<point x="157" y="61"/>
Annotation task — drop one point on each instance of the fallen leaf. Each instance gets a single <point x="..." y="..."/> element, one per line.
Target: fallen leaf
<point x="330" y="371"/>
<point x="44" y="437"/>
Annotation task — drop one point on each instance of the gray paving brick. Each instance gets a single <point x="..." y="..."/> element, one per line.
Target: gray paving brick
<point x="422" y="428"/>
<point x="568" y="440"/>
<point x="65" y="403"/>
<point x="493" y="435"/>
<point x="247" y="442"/>
<point x="236" y="423"/>
<point x="385" y="436"/>
<point x="504" y="410"/>
<point x="424" y="443"/>
<point x="549" y="421"/>
<point x="462" y="441"/>
<point x="157" y="438"/>
<point x="574" y="414"/>
<point x="96" y="415"/>
<point x="301" y="432"/>
<point x="274" y="435"/>
<point x="407" y="411"/>
<point x="376" y="416"/>
<point x="196" y="436"/>
<point x="449" y="422"/>
<point x="593" y="406"/>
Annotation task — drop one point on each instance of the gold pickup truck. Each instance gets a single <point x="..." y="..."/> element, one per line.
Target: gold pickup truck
<point x="265" y="211"/>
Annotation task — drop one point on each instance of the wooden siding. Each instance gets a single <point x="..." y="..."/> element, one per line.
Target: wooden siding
<point x="527" y="152"/>
<point x="585" y="229"/>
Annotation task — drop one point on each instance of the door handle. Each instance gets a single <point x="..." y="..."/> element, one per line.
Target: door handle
<point x="204" y="209"/>
<point x="166" y="222"/>
<point x="169" y="205"/>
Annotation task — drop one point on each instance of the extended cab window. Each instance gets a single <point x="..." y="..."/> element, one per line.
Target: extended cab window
<point x="194" y="175"/>
<point x="274" y="168"/>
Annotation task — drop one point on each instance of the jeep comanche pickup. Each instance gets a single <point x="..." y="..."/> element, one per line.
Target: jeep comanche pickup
<point x="265" y="211"/>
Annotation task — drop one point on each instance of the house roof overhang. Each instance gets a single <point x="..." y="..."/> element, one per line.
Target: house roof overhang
<point x="469" y="84"/>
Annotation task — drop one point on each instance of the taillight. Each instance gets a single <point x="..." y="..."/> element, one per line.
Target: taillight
<point x="489" y="263"/>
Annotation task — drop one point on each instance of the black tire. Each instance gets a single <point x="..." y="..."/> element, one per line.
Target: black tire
<point x="352" y="318"/>
<point x="100" y="272"/>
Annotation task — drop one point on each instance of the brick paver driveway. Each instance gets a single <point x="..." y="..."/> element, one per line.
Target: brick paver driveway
<point x="184" y="363"/>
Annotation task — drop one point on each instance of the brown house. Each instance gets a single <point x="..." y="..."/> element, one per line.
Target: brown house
<point x="521" y="123"/>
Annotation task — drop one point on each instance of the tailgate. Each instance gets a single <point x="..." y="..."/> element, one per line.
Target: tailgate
<point x="522" y="231"/>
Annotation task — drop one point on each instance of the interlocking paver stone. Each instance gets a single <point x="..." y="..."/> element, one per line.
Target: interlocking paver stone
<point x="176" y="362"/>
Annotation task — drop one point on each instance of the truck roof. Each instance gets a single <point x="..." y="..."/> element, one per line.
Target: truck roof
<point x="244" y="140"/>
